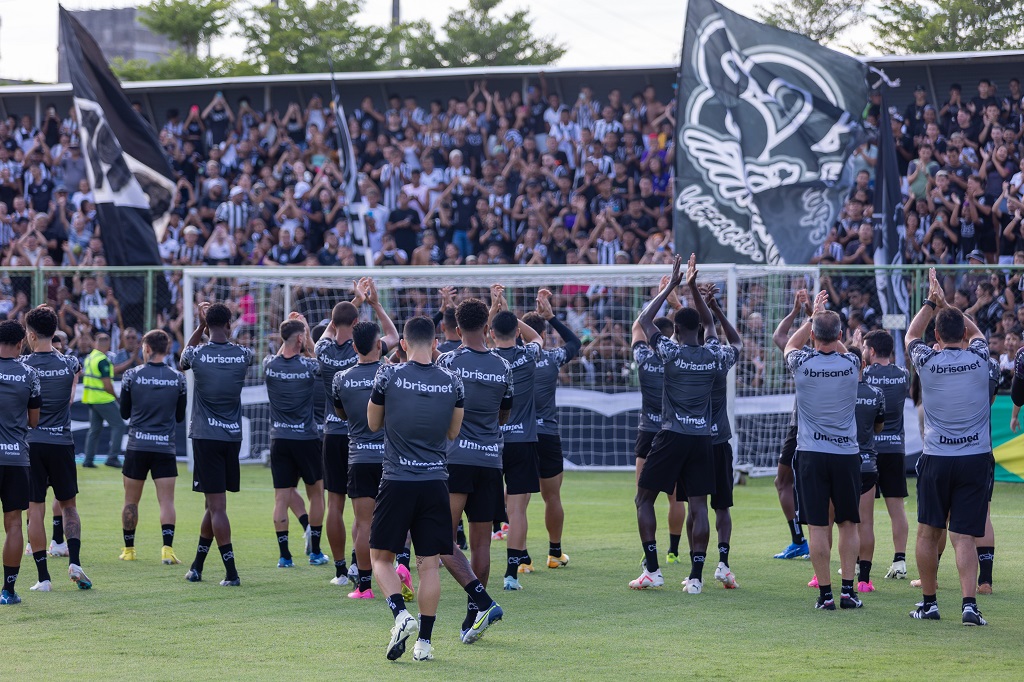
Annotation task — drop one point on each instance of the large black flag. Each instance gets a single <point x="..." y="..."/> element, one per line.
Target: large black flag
<point x="767" y="122"/>
<point x="129" y="174"/>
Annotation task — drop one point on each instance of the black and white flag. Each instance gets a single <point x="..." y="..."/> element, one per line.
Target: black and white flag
<point x="129" y="174"/>
<point x="767" y="121"/>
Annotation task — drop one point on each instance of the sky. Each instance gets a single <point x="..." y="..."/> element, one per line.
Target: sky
<point x="597" y="32"/>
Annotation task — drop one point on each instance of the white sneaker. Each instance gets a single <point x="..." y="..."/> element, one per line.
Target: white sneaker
<point x="58" y="549"/>
<point x="307" y="534"/>
<point x="43" y="586"/>
<point x="340" y="580"/>
<point x="647" y="580"/>
<point x="693" y="585"/>
<point x="421" y="651"/>
<point x="898" y="570"/>
<point x="405" y="627"/>
<point x="723" y="574"/>
<point x="79" y="577"/>
<point x="28" y="549"/>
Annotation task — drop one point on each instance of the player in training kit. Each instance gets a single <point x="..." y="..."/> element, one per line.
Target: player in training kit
<point x="881" y="372"/>
<point x="549" y="442"/>
<point x="350" y="394"/>
<point x="681" y="454"/>
<point x="335" y="353"/>
<point x="218" y="370"/>
<point x="955" y="473"/>
<point x="721" y="433"/>
<point x="51" y="447"/>
<point x="785" y="477"/>
<point x="519" y="459"/>
<point x="20" y="401"/>
<point x="154" y="399"/>
<point x="474" y="456"/>
<point x="295" y="444"/>
<point x="827" y="461"/>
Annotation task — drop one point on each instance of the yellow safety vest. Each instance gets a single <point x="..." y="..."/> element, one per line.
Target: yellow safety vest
<point x="93" y="392"/>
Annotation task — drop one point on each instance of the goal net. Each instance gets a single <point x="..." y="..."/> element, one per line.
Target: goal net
<point x="598" y="396"/>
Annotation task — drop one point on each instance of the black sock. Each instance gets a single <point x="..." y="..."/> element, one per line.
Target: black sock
<point x="929" y="599"/>
<point x="985" y="558"/>
<point x="796" y="532"/>
<point x="526" y="557"/>
<point x="227" y="555"/>
<point x="58" y="529"/>
<point x="202" y="551"/>
<point x="673" y="544"/>
<point x="825" y="592"/>
<point x="495" y="526"/>
<point x="513" y="557"/>
<point x="40" y="558"/>
<point x="129" y="537"/>
<point x="404" y="557"/>
<point x="365" y="580"/>
<point x="168" y="532"/>
<point x="697" y="565"/>
<point x="471" y="611"/>
<point x="426" y="627"/>
<point x="460" y="533"/>
<point x="10" y="577"/>
<point x="651" y="556"/>
<point x="555" y="550"/>
<point x="396" y="604"/>
<point x="304" y="521"/>
<point x="478" y="595"/>
<point x="314" y="538"/>
<point x="865" y="571"/>
<point x="282" y="543"/>
<point x="354" y="562"/>
<point x="847" y="586"/>
<point x="723" y="553"/>
<point x="970" y="600"/>
<point x="340" y="568"/>
<point x="74" y="550"/>
<point x="899" y="556"/>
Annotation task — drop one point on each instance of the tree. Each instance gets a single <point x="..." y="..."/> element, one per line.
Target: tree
<point x="912" y="26"/>
<point x="290" y="36"/>
<point x="180" y="65"/>
<point x="187" y="22"/>
<point x="820" y="20"/>
<point x="475" y="37"/>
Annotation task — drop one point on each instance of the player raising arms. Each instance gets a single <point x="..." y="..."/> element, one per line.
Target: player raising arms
<point x="154" y="399"/>
<point x="218" y="369"/>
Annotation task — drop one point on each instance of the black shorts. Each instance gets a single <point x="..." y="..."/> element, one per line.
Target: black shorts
<point x="644" y="439"/>
<point x="14" y="488"/>
<point x="868" y="480"/>
<point x="892" y="474"/>
<point x="823" y="478"/>
<point x="485" y="498"/>
<point x="956" y="488"/>
<point x="421" y="508"/>
<point x="335" y="464"/>
<point x="722" y="497"/>
<point x="681" y="460"/>
<point x="52" y="466"/>
<point x="215" y="467"/>
<point x="519" y="462"/>
<point x="139" y="463"/>
<point x="788" y="447"/>
<point x="292" y="459"/>
<point x="549" y="455"/>
<point x="364" y="480"/>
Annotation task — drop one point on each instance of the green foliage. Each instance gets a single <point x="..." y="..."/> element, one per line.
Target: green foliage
<point x="187" y="22"/>
<point x="180" y="65"/>
<point x="912" y="26"/>
<point x="820" y="20"/>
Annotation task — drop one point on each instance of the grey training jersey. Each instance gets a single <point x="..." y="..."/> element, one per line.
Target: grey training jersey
<point x="870" y="410"/>
<point x="290" y="389"/>
<point x="955" y="393"/>
<point x="219" y="371"/>
<point x="418" y="404"/>
<point x="351" y="391"/>
<point x="826" y="401"/>
<point x="155" y="391"/>
<point x="894" y="382"/>
<point x="487" y="383"/>
<point x="56" y="378"/>
<point x="689" y="374"/>
<point x="19" y="392"/>
<point x="334" y="357"/>
<point x="545" y="384"/>
<point x="651" y="375"/>
<point x="522" y="425"/>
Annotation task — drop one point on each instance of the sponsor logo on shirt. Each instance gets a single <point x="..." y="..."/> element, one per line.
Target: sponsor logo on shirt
<point x="230" y="426"/>
<point x="358" y="383"/>
<point x="827" y="373"/>
<point x="150" y="381"/>
<point x="954" y="369"/>
<point x="336" y="362"/>
<point x="47" y="373"/>
<point x="477" y="375"/>
<point x="224" y="359"/>
<point x="419" y="465"/>
<point x="402" y="382"/>
<point x="885" y="381"/>
<point x="654" y="417"/>
<point x="867" y="401"/>
<point x="513" y="428"/>
<point x="10" y="448"/>
<point x="154" y="437"/>
<point x="358" y="445"/>
<point x="14" y="377"/>
<point x="889" y="437"/>
<point x="838" y="440"/>
<point x="695" y="366"/>
<point x="960" y="440"/>
<point x="287" y="376"/>
<point x="294" y="427"/>
<point x="691" y="421"/>
<point x="653" y="368"/>
<point x="466" y="444"/>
